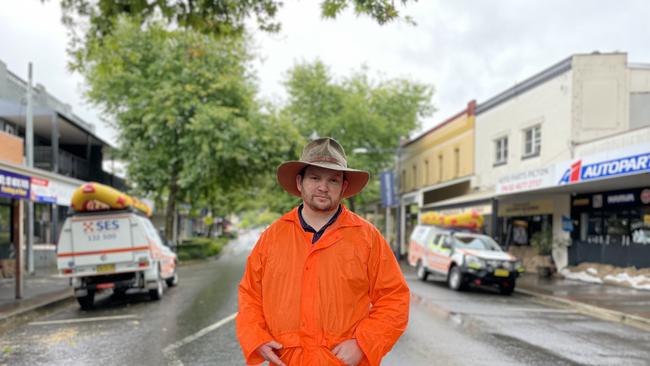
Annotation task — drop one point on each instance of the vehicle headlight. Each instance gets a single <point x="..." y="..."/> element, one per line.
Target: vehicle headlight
<point x="474" y="262"/>
<point x="508" y="265"/>
<point x="519" y="265"/>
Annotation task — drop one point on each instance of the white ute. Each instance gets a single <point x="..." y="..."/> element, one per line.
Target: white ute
<point x="117" y="250"/>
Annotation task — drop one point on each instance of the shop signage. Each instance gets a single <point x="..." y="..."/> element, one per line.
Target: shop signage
<point x="528" y="208"/>
<point x="42" y="191"/>
<point x="567" y="224"/>
<point x="63" y="192"/>
<point x="14" y="185"/>
<point x="387" y="188"/>
<point x="526" y="181"/>
<point x="645" y="196"/>
<point x="620" y="198"/>
<point x="581" y="202"/>
<point x="587" y="169"/>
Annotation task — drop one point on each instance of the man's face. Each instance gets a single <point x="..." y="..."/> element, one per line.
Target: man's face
<point x="321" y="189"/>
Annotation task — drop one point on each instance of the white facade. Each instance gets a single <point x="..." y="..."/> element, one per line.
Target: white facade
<point x="584" y="105"/>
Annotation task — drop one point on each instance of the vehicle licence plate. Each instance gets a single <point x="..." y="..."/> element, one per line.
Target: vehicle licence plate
<point x="105" y="268"/>
<point x="501" y="273"/>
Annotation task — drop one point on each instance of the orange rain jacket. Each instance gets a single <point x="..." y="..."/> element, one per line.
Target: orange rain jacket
<point x="311" y="297"/>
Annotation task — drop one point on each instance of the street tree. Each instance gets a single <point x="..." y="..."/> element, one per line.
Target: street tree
<point x="89" y="21"/>
<point x="183" y="105"/>
<point x="357" y="111"/>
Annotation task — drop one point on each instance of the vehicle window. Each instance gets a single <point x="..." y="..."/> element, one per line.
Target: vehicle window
<point x="429" y="237"/>
<point x="151" y="231"/>
<point x="475" y="242"/>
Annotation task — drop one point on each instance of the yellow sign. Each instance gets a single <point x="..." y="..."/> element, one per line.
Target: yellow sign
<point x="646" y="220"/>
<point x="529" y="208"/>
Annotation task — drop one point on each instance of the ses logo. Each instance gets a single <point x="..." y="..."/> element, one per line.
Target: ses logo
<point x="611" y="168"/>
<point x="100" y="226"/>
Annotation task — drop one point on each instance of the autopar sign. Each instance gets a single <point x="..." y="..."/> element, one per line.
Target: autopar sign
<point x="618" y="163"/>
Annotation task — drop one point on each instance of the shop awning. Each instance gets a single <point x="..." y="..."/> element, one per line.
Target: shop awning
<point x="475" y="198"/>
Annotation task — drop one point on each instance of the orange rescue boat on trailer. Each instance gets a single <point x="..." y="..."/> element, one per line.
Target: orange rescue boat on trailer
<point x="98" y="197"/>
<point x="469" y="220"/>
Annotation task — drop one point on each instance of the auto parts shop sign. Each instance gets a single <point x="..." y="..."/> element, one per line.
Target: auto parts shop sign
<point x="609" y="164"/>
<point x="624" y="162"/>
<point x="14" y="185"/>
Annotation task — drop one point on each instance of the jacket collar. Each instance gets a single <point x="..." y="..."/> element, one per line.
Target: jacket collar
<point x="345" y="219"/>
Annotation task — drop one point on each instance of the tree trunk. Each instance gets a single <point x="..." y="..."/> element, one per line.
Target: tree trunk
<point x="351" y="202"/>
<point x="171" y="205"/>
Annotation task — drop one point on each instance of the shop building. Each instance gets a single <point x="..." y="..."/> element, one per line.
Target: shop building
<point x="573" y="130"/>
<point x="67" y="152"/>
<point x="434" y="167"/>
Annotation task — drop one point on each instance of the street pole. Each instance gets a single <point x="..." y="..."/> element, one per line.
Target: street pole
<point x="29" y="139"/>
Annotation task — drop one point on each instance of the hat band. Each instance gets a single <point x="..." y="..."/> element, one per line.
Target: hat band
<point x="327" y="159"/>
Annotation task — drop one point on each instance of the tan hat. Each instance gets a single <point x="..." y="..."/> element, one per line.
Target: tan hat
<point x="325" y="153"/>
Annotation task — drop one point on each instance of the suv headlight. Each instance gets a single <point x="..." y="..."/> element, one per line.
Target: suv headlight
<point x="508" y="265"/>
<point x="519" y="265"/>
<point x="474" y="262"/>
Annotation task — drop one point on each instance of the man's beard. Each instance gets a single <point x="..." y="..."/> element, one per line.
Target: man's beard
<point x="318" y="206"/>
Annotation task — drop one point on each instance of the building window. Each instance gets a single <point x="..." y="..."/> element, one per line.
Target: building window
<point x="440" y="167"/>
<point x="426" y="172"/>
<point x="501" y="149"/>
<point x="456" y="162"/>
<point x="532" y="141"/>
<point x="415" y="176"/>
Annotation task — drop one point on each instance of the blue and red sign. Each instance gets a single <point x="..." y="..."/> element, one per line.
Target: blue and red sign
<point x="581" y="172"/>
<point x="14" y="185"/>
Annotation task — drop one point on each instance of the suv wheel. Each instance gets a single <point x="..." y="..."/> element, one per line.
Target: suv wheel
<point x="87" y="302"/>
<point x="455" y="280"/>
<point x="421" y="271"/>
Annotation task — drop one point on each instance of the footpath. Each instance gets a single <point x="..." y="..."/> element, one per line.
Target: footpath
<point x="41" y="290"/>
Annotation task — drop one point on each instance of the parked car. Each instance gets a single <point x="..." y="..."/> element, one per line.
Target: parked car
<point x="114" y="250"/>
<point x="461" y="258"/>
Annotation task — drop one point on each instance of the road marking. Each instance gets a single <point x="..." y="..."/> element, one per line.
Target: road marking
<point x="84" y="320"/>
<point x="170" y="351"/>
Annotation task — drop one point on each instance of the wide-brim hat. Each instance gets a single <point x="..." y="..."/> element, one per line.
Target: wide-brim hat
<point x="325" y="153"/>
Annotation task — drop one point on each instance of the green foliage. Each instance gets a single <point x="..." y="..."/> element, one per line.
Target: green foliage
<point x="183" y="105"/>
<point x="357" y="111"/>
<point x="200" y="248"/>
<point x="542" y="241"/>
<point x="90" y="21"/>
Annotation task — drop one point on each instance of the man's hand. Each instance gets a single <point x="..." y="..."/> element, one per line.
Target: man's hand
<point x="267" y="352"/>
<point x="348" y="352"/>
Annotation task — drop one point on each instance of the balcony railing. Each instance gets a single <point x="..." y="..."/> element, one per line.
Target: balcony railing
<point x="69" y="164"/>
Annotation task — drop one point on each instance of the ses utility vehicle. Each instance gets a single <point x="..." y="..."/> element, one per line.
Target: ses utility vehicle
<point x="106" y="245"/>
<point x="460" y="256"/>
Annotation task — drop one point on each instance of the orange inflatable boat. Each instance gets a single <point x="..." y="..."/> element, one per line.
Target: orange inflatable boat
<point x="97" y="197"/>
<point x="468" y="219"/>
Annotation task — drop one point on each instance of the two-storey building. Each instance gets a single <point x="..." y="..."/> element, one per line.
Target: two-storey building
<point x="548" y="150"/>
<point x="67" y="152"/>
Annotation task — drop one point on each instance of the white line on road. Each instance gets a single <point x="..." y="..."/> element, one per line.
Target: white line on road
<point x="169" y="351"/>
<point x="84" y="320"/>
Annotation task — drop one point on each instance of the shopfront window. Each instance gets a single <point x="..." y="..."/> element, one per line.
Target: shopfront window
<point x="42" y="223"/>
<point x="6" y="245"/>
<point x="640" y="226"/>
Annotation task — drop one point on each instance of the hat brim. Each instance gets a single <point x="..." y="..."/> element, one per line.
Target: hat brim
<point x="287" y="172"/>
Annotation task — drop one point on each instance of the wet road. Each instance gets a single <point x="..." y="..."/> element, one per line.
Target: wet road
<point x="192" y="325"/>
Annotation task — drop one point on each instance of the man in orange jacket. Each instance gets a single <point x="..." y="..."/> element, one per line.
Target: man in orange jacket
<point x="321" y="286"/>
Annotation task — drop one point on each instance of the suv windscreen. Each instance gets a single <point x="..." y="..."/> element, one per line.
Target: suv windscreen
<point x="475" y="242"/>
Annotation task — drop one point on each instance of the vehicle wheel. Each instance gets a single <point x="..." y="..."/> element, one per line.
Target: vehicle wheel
<point x="455" y="281"/>
<point x="119" y="292"/>
<point x="156" y="294"/>
<point x="173" y="280"/>
<point x="86" y="302"/>
<point x="507" y="288"/>
<point x="421" y="271"/>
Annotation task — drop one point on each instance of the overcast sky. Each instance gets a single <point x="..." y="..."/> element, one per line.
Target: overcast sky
<point x="466" y="49"/>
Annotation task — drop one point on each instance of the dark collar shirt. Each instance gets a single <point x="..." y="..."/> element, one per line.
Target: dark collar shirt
<point x="309" y="229"/>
